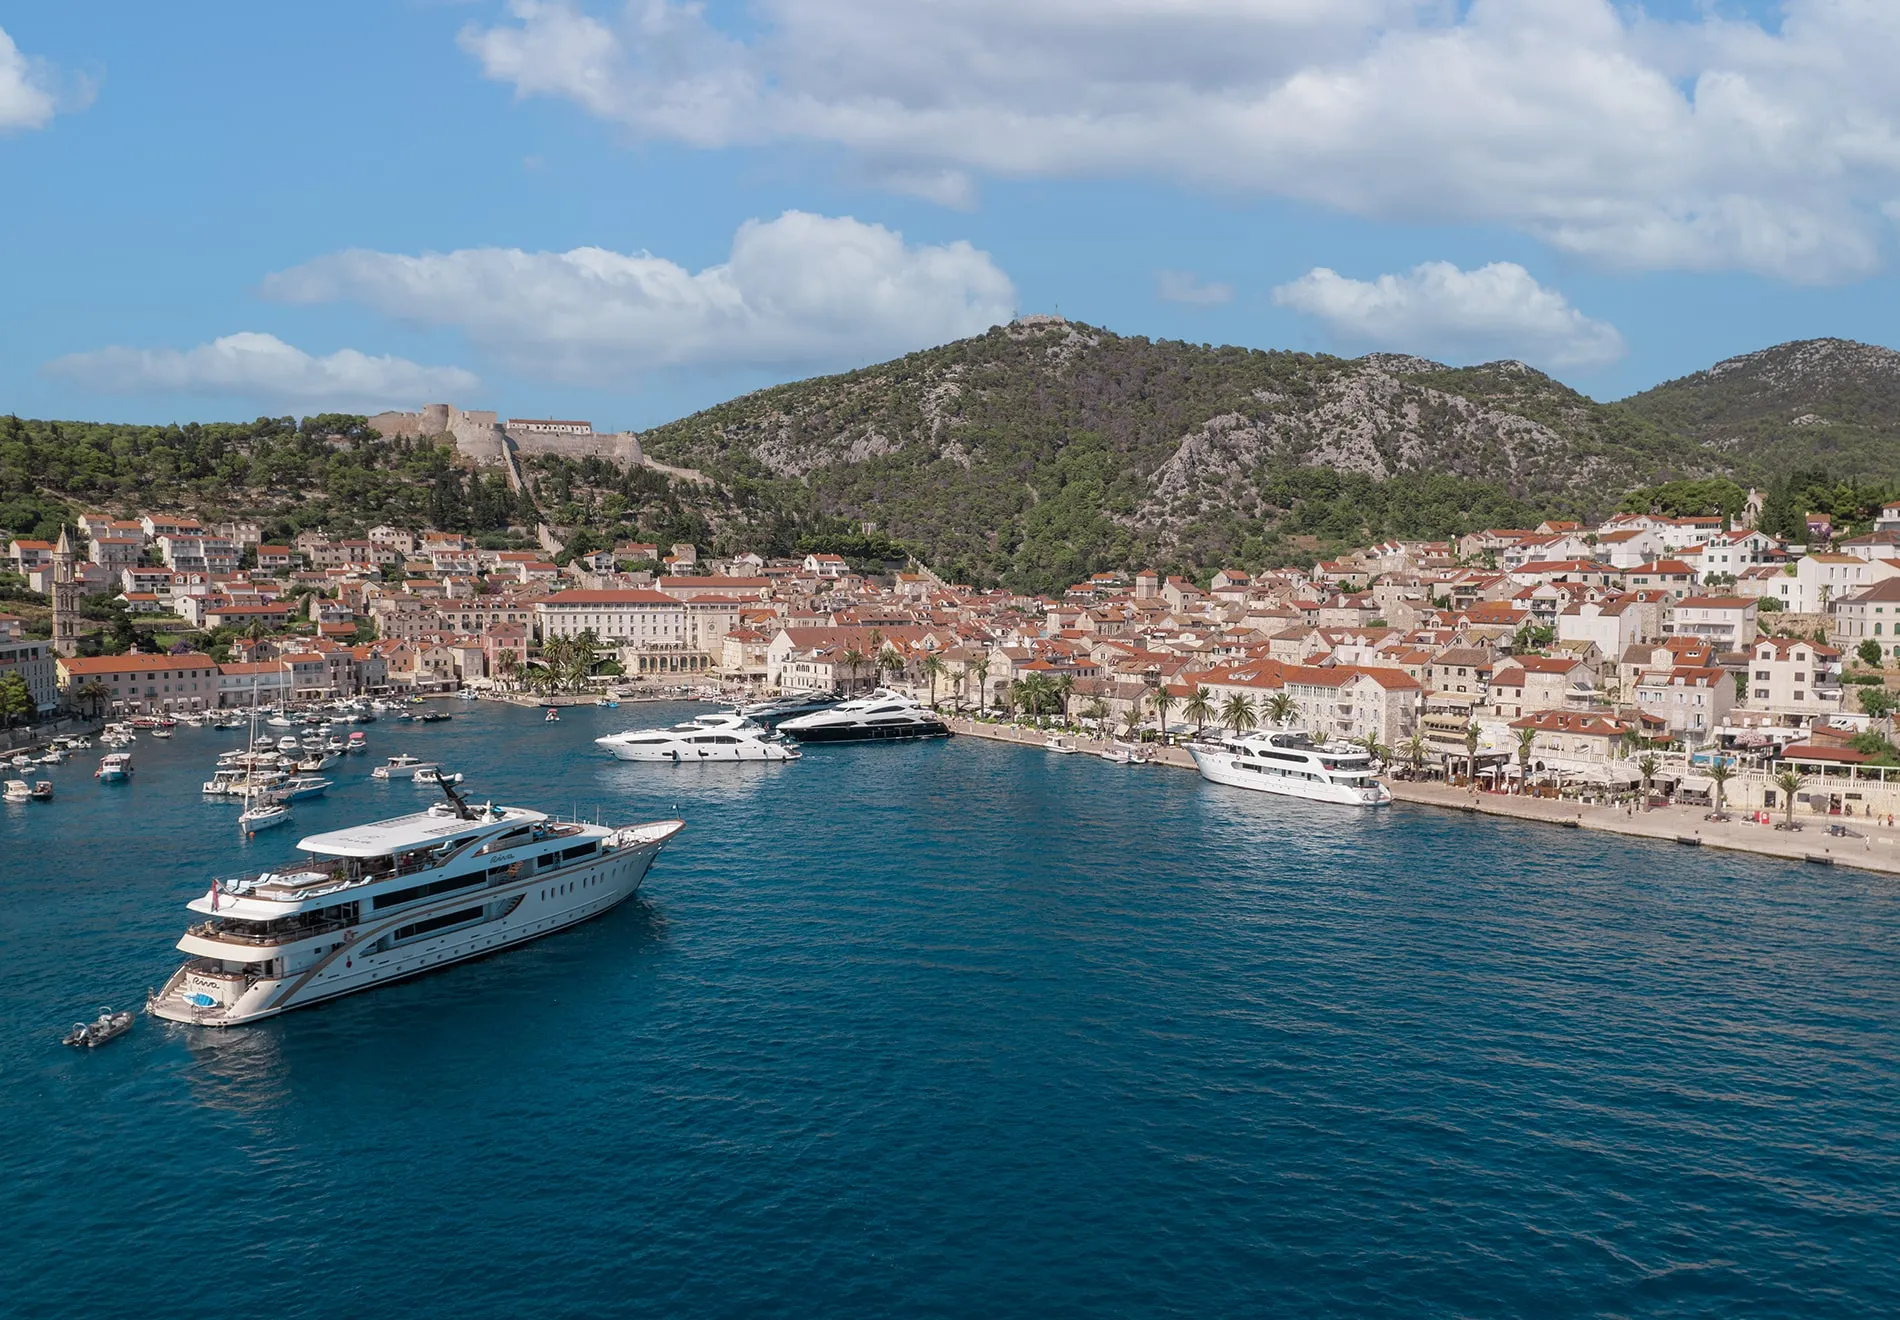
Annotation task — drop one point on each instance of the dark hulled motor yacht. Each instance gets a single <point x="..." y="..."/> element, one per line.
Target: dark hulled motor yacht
<point x="882" y="716"/>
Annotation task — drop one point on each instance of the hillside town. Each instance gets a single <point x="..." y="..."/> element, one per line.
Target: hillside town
<point x="1548" y="659"/>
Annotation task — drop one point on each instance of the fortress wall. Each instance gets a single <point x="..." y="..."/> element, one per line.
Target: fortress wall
<point x="621" y="447"/>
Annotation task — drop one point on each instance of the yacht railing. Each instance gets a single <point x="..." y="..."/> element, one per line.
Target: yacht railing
<point x="286" y="933"/>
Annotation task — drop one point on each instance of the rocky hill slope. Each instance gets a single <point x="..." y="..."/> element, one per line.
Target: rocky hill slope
<point x="1047" y="447"/>
<point x="1826" y="403"/>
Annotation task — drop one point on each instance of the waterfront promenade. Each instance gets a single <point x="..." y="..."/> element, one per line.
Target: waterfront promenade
<point x="1877" y="850"/>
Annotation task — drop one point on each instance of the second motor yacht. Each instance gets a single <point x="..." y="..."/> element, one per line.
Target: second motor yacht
<point x="881" y="716"/>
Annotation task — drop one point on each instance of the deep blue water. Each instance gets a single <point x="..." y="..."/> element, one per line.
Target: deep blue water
<point x="961" y="1029"/>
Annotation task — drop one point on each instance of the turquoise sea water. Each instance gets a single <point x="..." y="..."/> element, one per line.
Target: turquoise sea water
<point x="958" y="1029"/>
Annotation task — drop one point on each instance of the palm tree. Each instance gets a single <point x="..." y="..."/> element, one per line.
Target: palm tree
<point x="1647" y="767"/>
<point x="1199" y="708"/>
<point x="1720" y="772"/>
<point x="981" y="668"/>
<point x="1472" y="734"/>
<point x="1279" y="709"/>
<point x="1237" y="713"/>
<point x="583" y="653"/>
<point x="1790" y="783"/>
<point x="1131" y="721"/>
<point x="932" y="668"/>
<point x="93" y="696"/>
<point x="1415" y="751"/>
<point x="889" y="662"/>
<point x="507" y="666"/>
<point x="1096" y="712"/>
<point x="852" y="659"/>
<point x="1162" y="700"/>
<point x="1525" y="738"/>
<point x="1061" y="689"/>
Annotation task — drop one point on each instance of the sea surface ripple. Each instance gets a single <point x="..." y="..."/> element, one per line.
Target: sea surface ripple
<point x="962" y="1029"/>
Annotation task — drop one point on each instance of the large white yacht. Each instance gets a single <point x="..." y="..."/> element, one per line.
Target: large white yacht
<point x="722" y="737"/>
<point x="883" y="714"/>
<point x="376" y="903"/>
<point x="1291" y="764"/>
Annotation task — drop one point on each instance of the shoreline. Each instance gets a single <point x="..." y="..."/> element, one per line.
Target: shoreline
<point x="1878" y="851"/>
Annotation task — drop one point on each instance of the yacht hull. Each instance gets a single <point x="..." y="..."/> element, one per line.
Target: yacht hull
<point x="696" y="756"/>
<point x="530" y="908"/>
<point x="1221" y="767"/>
<point x="887" y="733"/>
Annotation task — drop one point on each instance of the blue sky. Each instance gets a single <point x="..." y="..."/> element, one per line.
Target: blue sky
<point x="627" y="211"/>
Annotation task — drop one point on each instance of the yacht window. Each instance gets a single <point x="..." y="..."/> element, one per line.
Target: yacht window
<point x="398" y="897"/>
<point x="545" y="860"/>
<point x="583" y="850"/>
<point x="433" y="924"/>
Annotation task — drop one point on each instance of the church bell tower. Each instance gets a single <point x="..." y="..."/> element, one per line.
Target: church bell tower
<point x="65" y="596"/>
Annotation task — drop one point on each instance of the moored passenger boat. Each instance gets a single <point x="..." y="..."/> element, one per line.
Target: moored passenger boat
<point x="376" y="903"/>
<point x="1292" y="765"/>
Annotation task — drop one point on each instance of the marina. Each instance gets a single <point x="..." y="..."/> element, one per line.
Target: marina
<point x="933" y="986"/>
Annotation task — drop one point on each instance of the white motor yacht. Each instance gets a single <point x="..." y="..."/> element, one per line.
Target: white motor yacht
<point x="375" y="903"/>
<point x="1291" y="764"/>
<point x="882" y="716"/>
<point x="723" y="737"/>
<point x="402" y="766"/>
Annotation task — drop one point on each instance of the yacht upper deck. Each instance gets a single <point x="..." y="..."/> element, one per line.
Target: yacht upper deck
<point x="423" y="829"/>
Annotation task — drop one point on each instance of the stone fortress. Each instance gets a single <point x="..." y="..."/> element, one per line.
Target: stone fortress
<point x="483" y="437"/>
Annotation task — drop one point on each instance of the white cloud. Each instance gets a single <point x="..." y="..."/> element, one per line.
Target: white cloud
<point x="264" y="367"/>
<point x="1180" y="286"/>
<point x="799" y="290"/>
<point x="1711" y="143"/>
<point x="1438" y="310"/>
<point x="26" y="101"/>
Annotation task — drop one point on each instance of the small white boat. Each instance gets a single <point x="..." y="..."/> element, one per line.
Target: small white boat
<point x="434" y="775"/>
<point x="553" y="717"/>
<point x="299" y="787"/>
<point x="357" y="743"/>
<point x="1115" y="755"/>
<point x="288" y="743"/>
<point x="21" y="761"/>
<point x="108" y="1026"/>
<point x="402" y="766"/>
<point x="53" y="756"/>
<point x="42" y="791"/>
<point x="281" y="722"/>
<point x="16" y="790"/>
<point x="161" y="732"/>
<point x="264" y="816"/>
<point x="115" y="767"/>
<point x="1060" y="748"/>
